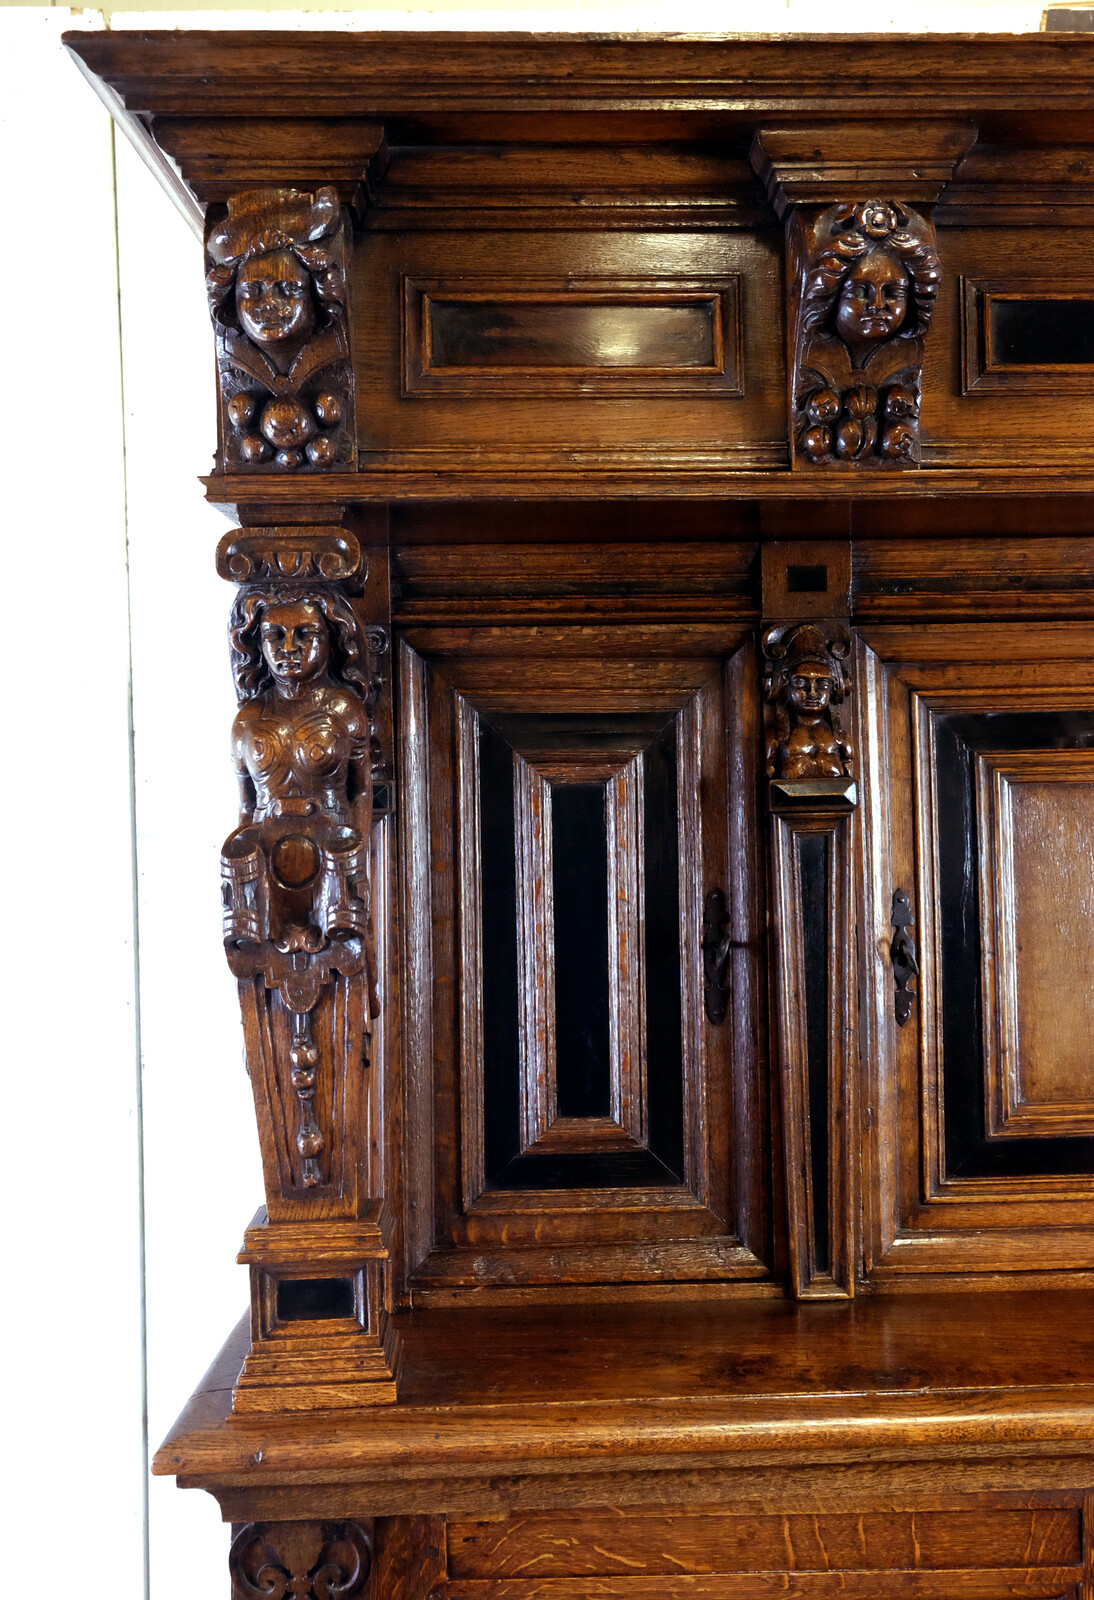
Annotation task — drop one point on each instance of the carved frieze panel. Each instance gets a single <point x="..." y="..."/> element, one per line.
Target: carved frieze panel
<point x="863" y="281"/>
<point x="277" y="294"/>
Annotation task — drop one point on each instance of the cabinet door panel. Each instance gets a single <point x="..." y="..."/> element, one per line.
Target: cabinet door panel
<point x="982" y="805"/>
<point x="587" y="1121"/>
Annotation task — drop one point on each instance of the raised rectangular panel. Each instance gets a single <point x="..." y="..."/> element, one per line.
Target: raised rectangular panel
<point x="602" y="1124"/>
<point x="523" y="336"/>
<point x="561" y="349"/>
<point x="1036" y="824"/>
<point x="1028" y="335"/>
<point x="978" y="771"/>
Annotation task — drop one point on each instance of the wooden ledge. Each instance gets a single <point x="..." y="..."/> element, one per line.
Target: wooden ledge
<point x="534" y="1405"/>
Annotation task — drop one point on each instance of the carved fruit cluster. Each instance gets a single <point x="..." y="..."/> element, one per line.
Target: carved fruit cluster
<point x="860" y="423"/>
<point x="285" y="429"/>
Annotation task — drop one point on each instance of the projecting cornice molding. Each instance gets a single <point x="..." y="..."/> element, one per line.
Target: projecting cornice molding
<point x="821" y="163"/>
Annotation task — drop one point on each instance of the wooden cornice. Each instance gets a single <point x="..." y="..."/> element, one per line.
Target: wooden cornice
<point x="391" y="74"/>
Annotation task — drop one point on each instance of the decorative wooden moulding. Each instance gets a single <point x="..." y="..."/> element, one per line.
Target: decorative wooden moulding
<point x="1027" y="335"/>
<point x="616" y="336"/>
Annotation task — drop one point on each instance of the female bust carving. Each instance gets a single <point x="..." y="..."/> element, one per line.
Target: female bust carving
<point x="301" y="739"/>
<point x="296" y="868"/>
<point x="805" y="682"/>
<point x="278" y="301"/>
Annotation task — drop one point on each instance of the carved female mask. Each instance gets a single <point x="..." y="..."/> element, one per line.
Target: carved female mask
<point x="805" y="681"/>
<point x="274" y="304"/>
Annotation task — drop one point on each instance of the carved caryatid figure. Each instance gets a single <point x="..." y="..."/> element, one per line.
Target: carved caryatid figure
<point x="804" y="684"/>
<point x="868" y="279"/>
<point x="296" y="891"/>
<point x="277" y="294"/>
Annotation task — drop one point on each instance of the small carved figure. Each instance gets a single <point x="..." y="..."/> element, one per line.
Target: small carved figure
<point x="869" y="280"/>
<point x="277" y="296"/>
<point x="805" y="682"/>
<point x="295" y="871"/>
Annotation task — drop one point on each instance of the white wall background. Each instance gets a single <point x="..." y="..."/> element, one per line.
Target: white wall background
<point x="132" y="1160"/>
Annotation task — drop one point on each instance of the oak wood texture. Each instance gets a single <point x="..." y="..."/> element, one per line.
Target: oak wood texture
<point x="690" y="1192"/>
<point x="539" y="1398"/>
<point x="436" y="149"/>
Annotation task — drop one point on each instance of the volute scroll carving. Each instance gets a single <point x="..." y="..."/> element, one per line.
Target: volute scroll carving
<point x="864" y="279"/>
<point x="277" y="294"/>
<point x="299" y="1561"/>
<point x="806" y="681"/>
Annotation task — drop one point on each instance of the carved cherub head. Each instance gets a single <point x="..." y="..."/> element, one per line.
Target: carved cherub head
<point x="283" y="637"/>
<point x="875" y="278"/>
<point x="270" y="276"/>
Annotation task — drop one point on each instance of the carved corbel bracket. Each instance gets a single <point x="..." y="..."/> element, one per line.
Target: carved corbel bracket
<point x="276" y="280"/>
<point x="863" y="272"/>
<point x="301" y="553"/>
<point x="818" y="163"/>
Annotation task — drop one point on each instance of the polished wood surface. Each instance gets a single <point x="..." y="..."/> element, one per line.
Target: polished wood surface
<point x="659" y="898"/>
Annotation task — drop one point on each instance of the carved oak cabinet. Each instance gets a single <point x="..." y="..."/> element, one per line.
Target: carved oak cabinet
<point x="662" y="545"/>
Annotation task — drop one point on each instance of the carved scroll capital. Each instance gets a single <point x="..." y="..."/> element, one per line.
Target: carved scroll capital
<point x="806" y="683"/>
<point x="276" y="282"/>
<point x="290" y="555"/>
<point x="299" y="1561"/>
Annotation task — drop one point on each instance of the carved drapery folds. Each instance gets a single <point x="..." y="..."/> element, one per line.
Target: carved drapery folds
<point x="863" y="282"/>
<point x="806" y="681"/>
<point x="277" y="293"/>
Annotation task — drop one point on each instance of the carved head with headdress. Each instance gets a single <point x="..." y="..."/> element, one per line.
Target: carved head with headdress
<point x="271" y="276"/>
<point x="805" y="682"/>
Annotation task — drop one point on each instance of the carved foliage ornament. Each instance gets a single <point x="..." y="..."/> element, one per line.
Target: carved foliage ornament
<point x="299" y="1561"/>
<point x="295" y="870"/>
<point x="806" y="681"/>
<point x="864" y="280"/>
<point x="277" y="293"/>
